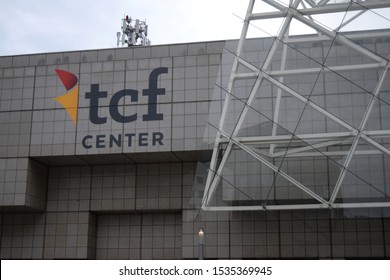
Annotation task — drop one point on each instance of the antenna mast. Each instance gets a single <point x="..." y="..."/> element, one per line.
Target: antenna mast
<point x="134" y="33"/>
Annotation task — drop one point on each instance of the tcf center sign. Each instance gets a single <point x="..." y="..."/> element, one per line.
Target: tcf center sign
<point x="70" y="102"/>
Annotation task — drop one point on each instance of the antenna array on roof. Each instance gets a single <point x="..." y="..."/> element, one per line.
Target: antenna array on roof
<point x="134" y="33"/>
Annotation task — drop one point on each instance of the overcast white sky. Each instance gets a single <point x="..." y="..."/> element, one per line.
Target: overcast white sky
<point x="36" y="26"/>
<point x="30" y="26"/>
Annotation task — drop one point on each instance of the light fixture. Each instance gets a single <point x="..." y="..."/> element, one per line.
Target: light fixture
<point x="201" y="243"/>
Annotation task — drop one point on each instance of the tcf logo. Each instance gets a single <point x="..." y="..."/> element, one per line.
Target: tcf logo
<point x="70" y="102"/>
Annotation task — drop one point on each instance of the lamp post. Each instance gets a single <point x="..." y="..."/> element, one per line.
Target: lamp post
<point x="201" y="243"/>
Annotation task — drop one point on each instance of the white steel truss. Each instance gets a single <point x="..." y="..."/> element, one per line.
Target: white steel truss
<point x="226" y="142"/>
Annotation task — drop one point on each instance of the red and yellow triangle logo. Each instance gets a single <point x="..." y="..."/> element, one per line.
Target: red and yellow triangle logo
<point x="70" y="99"/>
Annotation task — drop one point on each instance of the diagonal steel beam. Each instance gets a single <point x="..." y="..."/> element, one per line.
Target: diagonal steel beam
<point x="213" y="178"/>
<point x="271" y="79"/>
<point x="213" y="162"/>
<point x="243" y="143"/>
<point x="276" y="169"/>
<point x="278" y="96"/>
<point x="331" y="8"/>
<point x="357" y="138"/>
<point x="351" y="19"/>
<point x="322" y="3"/>
<point x="300" y="15"/>
<point x="311" y="3"/>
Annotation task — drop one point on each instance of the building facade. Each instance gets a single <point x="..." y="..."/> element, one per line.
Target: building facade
<point x="104" y="154"/>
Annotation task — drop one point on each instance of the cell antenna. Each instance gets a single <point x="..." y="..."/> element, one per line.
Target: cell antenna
<point x="134" y="33"/>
